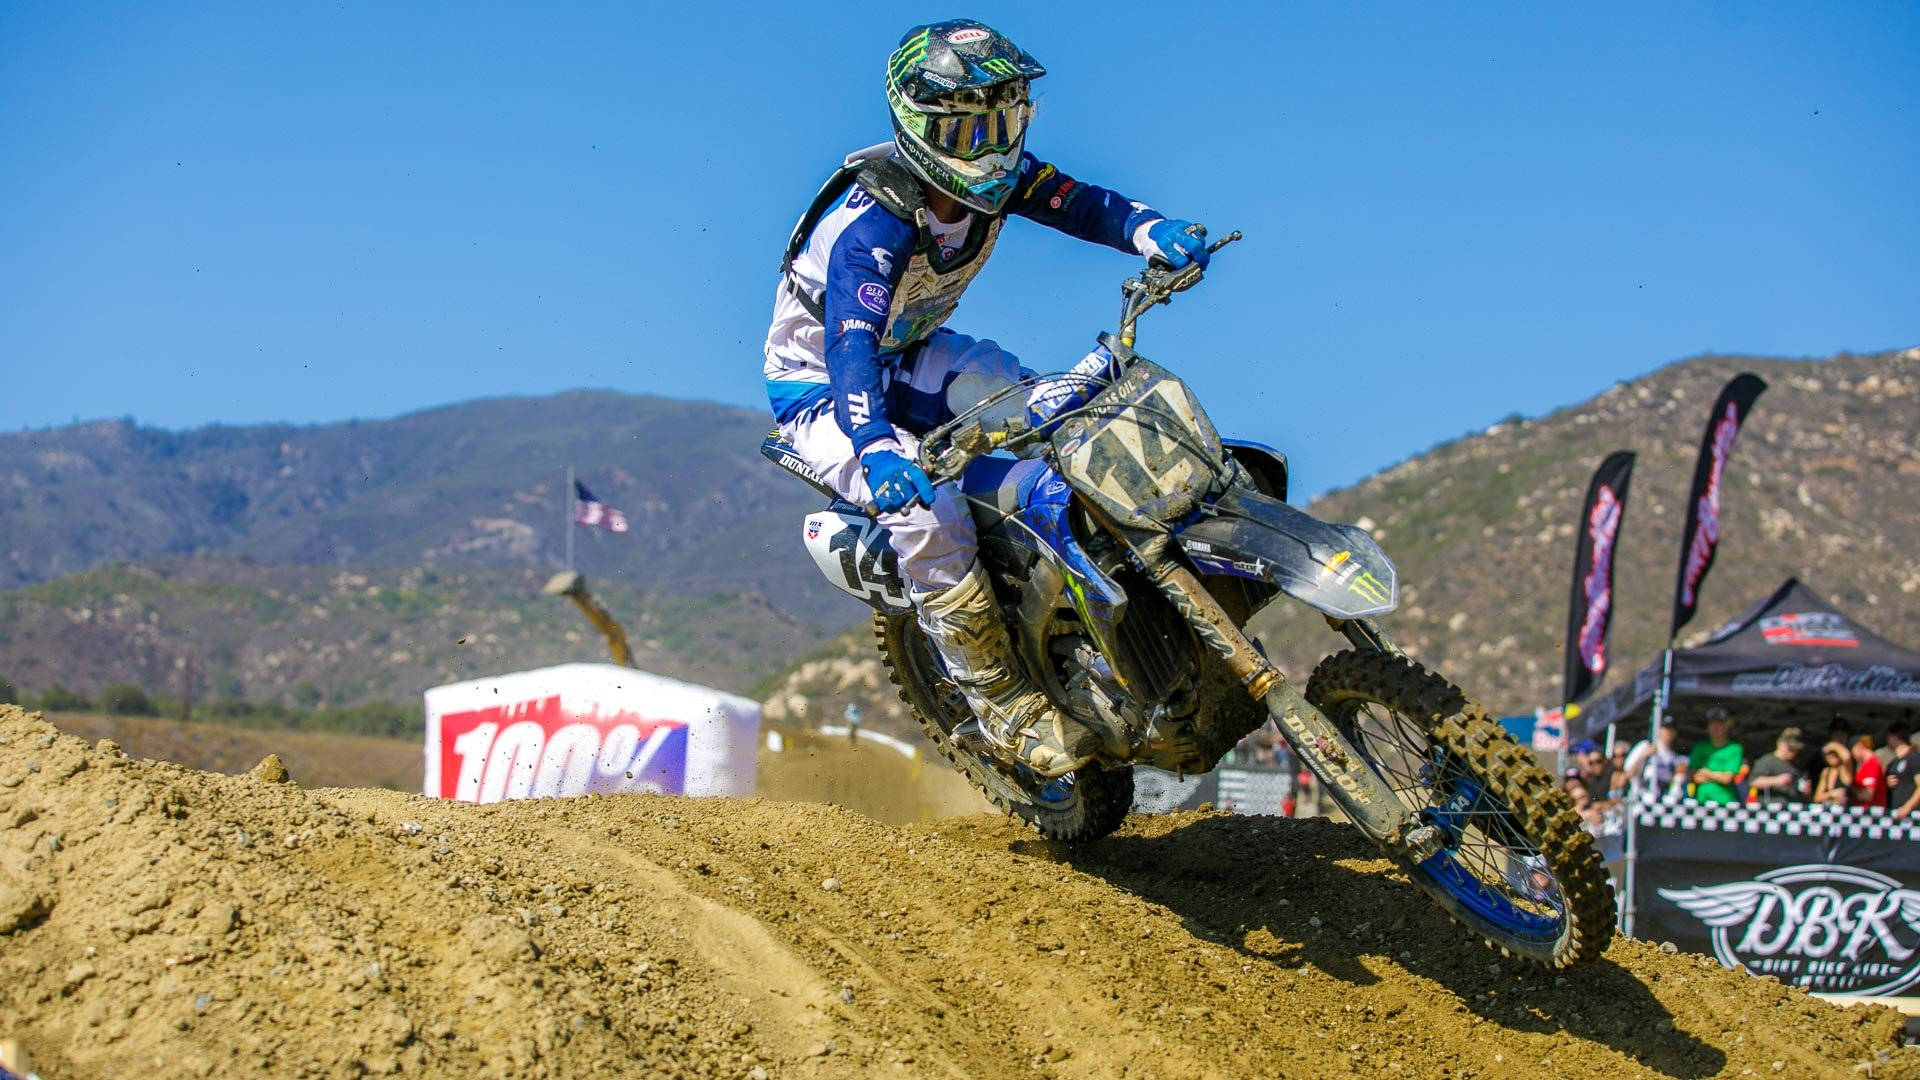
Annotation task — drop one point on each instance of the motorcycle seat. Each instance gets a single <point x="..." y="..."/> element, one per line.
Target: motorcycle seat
<point x="998" y="487"/>
<point x="995" y="487"/>
<point x="777" y="449"/>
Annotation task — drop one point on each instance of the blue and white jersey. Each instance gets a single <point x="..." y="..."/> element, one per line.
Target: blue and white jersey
<point x="881" y="296"/>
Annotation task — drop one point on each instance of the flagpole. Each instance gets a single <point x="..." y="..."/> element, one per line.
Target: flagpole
<point x="1660" y="703"/>
<point x="566" y="505"/>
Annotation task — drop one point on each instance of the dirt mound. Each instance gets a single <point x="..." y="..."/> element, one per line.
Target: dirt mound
<point x="158" y="921"/>
<point x="316" y="758"/>
<point x="866" y="778"/>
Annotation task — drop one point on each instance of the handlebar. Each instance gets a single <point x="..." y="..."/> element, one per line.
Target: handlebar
<point x="1157" y="284"/>
<point x="949" y="448"/>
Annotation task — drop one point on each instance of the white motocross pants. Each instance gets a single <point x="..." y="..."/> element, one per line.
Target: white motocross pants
<point x="935" y="544"/>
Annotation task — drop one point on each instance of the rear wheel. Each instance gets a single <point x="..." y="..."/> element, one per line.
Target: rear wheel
<point x="1514" y="864"/>
<point x="1083" y="805"/>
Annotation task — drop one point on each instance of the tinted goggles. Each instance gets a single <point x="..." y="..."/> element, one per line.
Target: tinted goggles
<point x="972" y="133"/>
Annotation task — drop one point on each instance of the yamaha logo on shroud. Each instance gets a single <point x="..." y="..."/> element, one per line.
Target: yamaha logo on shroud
<point x="1837" y="929"/>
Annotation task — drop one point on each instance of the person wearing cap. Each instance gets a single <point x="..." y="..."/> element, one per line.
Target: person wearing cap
<point x="1596" y="773"/>
<point x="1903" y="773"/>
<point x="1716" y="762"/>
<point x="1775" y="778"/>
<point x="1656" y="768"/>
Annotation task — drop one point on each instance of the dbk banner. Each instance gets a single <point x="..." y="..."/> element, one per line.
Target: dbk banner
<point x="1821" y="897"/>
<point x="1701" y="538"/>
<point x="578" y="729"/>
<point x="1590" y="610"/>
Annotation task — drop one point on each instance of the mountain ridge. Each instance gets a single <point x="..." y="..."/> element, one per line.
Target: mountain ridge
<point x="1822" y="486"/>
<point x="1480" y="526"/>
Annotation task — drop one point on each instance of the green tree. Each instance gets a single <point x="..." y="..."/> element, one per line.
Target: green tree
<point x="8" y="695"/>
<point x="306" y="695"/>
<point x="126" y="699"/>
<point x="60" y="699"/>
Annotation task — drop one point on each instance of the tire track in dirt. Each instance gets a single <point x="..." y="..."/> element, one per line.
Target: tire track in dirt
<point x="159" y="921"/>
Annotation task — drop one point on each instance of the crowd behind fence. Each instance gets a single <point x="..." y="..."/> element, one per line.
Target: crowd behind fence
<point x="1847" y="769"/>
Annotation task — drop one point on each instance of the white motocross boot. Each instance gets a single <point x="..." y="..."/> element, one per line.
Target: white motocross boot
<point x="965" y="627"/>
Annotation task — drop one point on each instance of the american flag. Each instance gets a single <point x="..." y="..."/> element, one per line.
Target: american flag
<point x="588" y="510"/>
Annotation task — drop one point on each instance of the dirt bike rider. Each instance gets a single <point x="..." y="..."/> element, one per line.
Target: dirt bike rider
<point x="858" y="363"/>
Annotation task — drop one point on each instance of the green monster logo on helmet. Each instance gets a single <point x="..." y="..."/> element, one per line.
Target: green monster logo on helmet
<point x="958" y="94"/>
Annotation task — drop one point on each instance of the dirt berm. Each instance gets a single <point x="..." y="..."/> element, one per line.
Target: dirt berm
<point x="156" y="921"/>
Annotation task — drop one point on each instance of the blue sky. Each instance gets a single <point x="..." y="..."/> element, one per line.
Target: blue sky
<point x="249" y="212"/>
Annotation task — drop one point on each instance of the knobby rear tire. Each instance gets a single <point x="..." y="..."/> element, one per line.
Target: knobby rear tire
<point x="1506" y="771"/>
<point x="1098" y="798"/>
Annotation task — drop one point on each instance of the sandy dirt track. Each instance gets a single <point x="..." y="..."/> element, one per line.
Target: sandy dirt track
<point x="159" y="921"/>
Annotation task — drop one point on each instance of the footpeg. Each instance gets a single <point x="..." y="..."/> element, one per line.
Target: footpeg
<point x="968" y="735"/>
<point x="1422" y="842"/>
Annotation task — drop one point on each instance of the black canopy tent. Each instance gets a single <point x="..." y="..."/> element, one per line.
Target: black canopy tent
<point x="1791" y="659"/>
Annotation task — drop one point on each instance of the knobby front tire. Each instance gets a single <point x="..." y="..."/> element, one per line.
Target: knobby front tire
<point x="1518" y="869"/>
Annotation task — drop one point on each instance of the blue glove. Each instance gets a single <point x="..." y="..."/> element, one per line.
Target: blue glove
<point x="896" y="483"/>
<point x="1179" y="242"/>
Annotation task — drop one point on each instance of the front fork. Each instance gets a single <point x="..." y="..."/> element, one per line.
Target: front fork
<point x="1340" y="769"/>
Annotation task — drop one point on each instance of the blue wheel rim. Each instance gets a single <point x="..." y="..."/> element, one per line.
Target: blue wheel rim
<point x="1495" y="877"/>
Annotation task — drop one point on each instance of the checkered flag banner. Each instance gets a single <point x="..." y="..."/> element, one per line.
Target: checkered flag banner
<point x="1779" y="819"/>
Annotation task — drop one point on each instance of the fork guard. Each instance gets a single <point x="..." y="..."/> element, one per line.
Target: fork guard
<point x="1338" y="569"/>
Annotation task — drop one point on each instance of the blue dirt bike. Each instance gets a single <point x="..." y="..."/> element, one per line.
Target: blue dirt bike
<point x="1128" y="547"/>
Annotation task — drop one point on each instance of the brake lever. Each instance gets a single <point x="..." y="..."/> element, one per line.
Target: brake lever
<point x="1161" y="277"/>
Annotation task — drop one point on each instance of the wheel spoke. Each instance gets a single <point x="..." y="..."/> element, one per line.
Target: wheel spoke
<point x="1498" y="857"/>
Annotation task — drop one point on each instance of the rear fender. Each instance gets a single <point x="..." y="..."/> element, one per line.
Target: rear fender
<point x="1336" y="568"/>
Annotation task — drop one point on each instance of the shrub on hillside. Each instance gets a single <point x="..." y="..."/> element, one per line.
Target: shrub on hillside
<point x="8" y="695"/>
<point x="60" y="699"/>
<point x="126" y="699"/>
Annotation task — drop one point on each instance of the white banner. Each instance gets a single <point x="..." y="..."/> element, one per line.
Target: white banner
<point x="577" y="729"/>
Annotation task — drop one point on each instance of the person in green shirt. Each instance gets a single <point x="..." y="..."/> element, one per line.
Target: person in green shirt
<point x="1716" y="762"/>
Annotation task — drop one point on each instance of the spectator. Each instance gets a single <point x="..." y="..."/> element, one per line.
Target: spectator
<point x="1903" y="775"/>
<point x="1576" y="787"/>
<point x="1617" y="769"/>
<point x="1716" y="763"/>
<point x="1836" y="773"/>
<point x="1597" y="774"/>
<point x="1656" y="769"/>
<point x="1869" y="787"/>
<point x="1775" y="779"/>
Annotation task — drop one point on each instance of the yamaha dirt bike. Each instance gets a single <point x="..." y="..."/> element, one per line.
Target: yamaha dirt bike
<point x="1127" y="550"/>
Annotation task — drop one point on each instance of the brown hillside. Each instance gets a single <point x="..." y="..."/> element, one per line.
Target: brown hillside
<point x="1824" y="484"/>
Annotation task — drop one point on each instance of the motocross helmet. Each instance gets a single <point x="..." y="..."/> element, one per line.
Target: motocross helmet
<point x="958" y="91"/>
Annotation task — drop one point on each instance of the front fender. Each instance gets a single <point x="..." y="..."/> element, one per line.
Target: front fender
<point x="1336" y="568"/>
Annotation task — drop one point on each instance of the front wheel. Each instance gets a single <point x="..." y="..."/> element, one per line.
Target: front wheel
<point x="1083" y="805"/>
<point x="1514" y="864"/>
